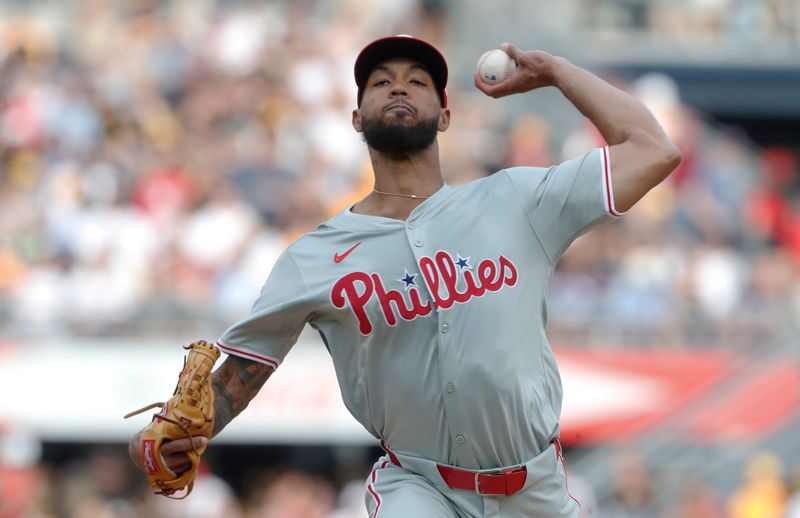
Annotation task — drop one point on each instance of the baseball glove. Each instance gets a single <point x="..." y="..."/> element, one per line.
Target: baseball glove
<point x="188" y="413"/>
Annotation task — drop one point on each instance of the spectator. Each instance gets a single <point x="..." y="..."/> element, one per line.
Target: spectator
<point x="762" y="493"/>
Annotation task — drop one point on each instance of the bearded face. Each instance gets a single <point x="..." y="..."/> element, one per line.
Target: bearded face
<point x="396" y="137"/>
<point x="400" y="111"/>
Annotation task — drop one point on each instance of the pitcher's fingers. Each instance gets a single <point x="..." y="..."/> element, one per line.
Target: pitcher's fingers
<point x="511" y="49"/>
<point x="496" y="90"/>
<point x="184" y="444"/>
<point x="479" y="83"/>
<point x="178" y="464"/>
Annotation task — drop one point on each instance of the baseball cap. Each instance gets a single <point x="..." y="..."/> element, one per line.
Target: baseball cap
<point x="402" y="45"/>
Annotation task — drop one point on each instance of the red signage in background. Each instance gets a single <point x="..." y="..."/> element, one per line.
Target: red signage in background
<point x="614" y="395"/>
<point x="764" y="398"/>
<point x="706" y="396"/>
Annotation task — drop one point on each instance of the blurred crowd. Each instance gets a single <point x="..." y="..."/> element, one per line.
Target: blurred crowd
<point x="764" y="488"/>
<point x="738" y="23"/>
<point x="103" y="484"/>
<point x="155" y="158"/>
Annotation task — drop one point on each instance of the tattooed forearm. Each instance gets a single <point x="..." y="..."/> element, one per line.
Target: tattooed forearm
<point x="235" y="383"/>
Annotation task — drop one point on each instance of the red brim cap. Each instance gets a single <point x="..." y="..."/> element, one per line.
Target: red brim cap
<point x="404" y="46"/>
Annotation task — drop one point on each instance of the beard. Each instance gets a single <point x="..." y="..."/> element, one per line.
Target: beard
<point x="399" y="140"/>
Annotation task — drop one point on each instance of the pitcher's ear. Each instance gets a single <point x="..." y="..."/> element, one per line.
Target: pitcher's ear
<point x="357" y="120"/>
<point x="444" y="120"/>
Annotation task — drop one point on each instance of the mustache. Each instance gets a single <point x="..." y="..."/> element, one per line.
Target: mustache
<point x="402" y="104"/>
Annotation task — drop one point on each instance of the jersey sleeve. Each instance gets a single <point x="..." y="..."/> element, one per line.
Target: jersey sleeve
<point x="276" y="319"/>
<point x="564" y="201"/>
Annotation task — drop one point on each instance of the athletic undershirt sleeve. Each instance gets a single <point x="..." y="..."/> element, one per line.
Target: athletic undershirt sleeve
<point x="564" y="201"/>
<point x="276" y="319"/>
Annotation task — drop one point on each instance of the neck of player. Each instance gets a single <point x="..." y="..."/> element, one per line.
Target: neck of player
<point x="418" y="174"/>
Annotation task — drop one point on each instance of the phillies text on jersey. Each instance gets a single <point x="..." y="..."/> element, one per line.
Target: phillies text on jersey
<point x="441" y="275"/>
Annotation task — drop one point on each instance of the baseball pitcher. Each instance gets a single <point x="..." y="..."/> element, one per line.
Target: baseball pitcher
<point x="431" y="298"/>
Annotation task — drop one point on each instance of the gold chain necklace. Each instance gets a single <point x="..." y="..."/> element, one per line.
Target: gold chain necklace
<point x="412" y="196"/>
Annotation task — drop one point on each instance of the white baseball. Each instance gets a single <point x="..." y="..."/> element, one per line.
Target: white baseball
<point x="495" y="66"/>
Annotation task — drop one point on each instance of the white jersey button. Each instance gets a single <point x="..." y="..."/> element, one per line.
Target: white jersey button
<point x="450" y="387"/>
<point x="411" y="226"/>
<point x="418" y="242"/>
<point x="460" y="439"/>
<point x="445" y="327"/>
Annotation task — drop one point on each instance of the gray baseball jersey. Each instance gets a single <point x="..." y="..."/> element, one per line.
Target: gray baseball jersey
<point x="436" y="324"/>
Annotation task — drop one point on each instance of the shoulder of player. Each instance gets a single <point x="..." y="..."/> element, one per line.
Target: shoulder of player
<point x="326" y="232"/>
<point x="482" y="186"/>
<point x="525" y="169"/>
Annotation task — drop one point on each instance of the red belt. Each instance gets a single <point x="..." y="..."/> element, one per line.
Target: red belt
<point x="485" y="483"/>
<point x="505" y="482"/>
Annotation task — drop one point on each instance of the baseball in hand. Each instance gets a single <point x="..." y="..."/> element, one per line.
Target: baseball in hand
<point x="495" y="66"/>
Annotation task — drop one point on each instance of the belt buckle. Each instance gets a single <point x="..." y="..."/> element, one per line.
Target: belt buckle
<point x="478" y="481"/>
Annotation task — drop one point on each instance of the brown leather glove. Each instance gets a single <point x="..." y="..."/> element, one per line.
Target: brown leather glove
<point x="188" y="413"/>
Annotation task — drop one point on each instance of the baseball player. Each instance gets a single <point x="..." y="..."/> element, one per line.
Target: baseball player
<point x="431" y="298"/>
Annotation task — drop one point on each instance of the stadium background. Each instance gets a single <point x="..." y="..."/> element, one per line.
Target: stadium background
<point x="156" y="157"/>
